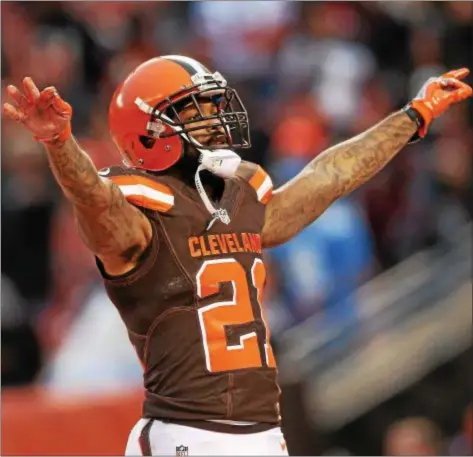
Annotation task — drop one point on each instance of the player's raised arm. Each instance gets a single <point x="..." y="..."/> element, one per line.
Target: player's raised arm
<point x="113" y="229"/>
<point x="344" y="167"/>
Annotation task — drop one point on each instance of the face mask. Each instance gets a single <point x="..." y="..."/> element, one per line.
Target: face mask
<point x="221" y="162"/>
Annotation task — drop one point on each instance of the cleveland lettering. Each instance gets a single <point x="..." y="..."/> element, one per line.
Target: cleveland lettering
<point x="224" y="243"/>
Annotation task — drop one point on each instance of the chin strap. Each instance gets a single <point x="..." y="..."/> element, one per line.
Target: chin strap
<point x="220" y="162"/>
<point x="217" y="213"/>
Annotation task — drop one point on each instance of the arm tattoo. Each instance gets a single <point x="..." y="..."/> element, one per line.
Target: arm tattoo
<point x="334" y="174"/>
<point x="109" y="226"/>
<point x="113" y="231"/>
<point x="76" y="174"/>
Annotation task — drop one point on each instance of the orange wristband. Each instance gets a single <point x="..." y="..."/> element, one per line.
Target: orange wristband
<point x="63" y="136"/>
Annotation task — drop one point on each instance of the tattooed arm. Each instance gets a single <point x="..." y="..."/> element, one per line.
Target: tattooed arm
<point x="115" y="231"/>
<point x="333" y="174"/>
<point x="341" y="169"/>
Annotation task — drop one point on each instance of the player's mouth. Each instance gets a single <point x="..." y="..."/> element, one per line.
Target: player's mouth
<point x="217" y="139"/>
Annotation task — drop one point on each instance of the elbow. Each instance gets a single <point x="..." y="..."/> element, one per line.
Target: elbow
<point x="267" y="242"/>
<point x="279" y="222"/>
<point x="272" y="243"/>
<point x="270" y="238"/>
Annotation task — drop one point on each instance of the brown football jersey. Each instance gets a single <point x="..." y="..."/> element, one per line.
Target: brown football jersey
<point x="193" y="307"/>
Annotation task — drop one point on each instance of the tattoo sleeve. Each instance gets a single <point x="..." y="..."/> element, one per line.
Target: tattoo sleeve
<point x="113" y="229"/>
<point x="77" y="175"/>
<point x="333" y="174"/>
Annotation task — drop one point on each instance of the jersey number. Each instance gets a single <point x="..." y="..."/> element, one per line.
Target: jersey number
<point x="216" y="317"/>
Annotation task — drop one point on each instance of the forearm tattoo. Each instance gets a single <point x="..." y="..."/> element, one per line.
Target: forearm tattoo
<point x="334" y="174"/>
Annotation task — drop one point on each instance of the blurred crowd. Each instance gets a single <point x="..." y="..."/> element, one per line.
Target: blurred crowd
<point x="310" y="74"/>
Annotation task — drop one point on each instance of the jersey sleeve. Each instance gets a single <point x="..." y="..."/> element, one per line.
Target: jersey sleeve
<point x="259" y="180"/>
<point x="140" y="190"/>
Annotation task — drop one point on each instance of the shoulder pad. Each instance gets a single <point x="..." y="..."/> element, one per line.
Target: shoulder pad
<point x="141" y="190"/>
<point x="258" y="179"/>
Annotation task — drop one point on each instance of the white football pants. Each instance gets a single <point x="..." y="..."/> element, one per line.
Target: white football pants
<point x="171" y="439"/>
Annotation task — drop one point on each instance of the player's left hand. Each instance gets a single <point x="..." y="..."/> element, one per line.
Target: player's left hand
<point x="438" y="94"/>
<point x="45" y="114"/>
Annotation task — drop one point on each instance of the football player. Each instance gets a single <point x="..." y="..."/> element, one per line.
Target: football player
<point x="178" y="230"/>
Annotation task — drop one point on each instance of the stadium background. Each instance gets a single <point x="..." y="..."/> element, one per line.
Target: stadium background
<point x="370" y="307"/>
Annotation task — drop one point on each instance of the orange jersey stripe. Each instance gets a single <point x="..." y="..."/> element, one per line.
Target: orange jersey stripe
<point x="134" y="180"/>
<point x="148" y="203"/>
<point x="145" y="192"/>
<point x="262" y="184"/>
<point x="258" y="178"/>
<point x="267" y="196"/>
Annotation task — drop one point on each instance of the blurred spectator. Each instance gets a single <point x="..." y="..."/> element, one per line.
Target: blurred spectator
<point x="327" y="58"/>
<point x="21" y="351"/>
<point x="96" y="355"/>
<point x="241" y="38"/>
<point x="300" y="131"/>
<point x="458" y="18"/>
<point x="413" y="436"/>
<point x="468" y="430"/>
<point x="28" y="203"/>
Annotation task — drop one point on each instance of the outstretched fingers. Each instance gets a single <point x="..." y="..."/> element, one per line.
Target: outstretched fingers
<point x="32" y="91"/>
<point x="17" y="96"/>
<point x="457" y="74"/>
<point x="14" y="113"/>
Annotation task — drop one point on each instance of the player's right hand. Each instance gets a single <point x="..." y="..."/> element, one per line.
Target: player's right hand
<point x="45" y="114"/>
<point x="438" y="94"/>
